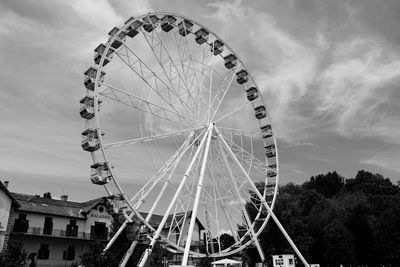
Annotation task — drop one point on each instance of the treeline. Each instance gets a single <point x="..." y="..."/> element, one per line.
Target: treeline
<point x="334" y="220"/>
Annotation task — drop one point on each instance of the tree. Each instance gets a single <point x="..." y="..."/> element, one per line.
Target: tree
<point x="13" y="257"/>
<point x="96" y="258"/>
<point x="339" y="242"/>
<point x="335" y="221"/>
<point x="328" y="185"/>
<point x="226" y="240"/>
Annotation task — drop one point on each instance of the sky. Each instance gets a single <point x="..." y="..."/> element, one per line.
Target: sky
<point x="329" y="72"/>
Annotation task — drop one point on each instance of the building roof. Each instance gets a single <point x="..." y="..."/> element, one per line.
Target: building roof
<point x="14" y="202"/>
<point x="37" y="204"/>
<point x="56" y="207"/>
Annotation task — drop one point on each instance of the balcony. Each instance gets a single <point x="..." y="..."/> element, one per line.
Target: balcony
<point x="38" y="231"/>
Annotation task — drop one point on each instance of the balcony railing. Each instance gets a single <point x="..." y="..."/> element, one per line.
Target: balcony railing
<point x="38" y="231"/>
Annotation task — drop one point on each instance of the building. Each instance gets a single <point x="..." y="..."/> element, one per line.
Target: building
<point x="286" y="260"/>
<point x="7" y="206"/>
<point x="55" y="232"/>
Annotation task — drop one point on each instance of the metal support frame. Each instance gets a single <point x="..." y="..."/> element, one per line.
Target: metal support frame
<point x="197" y="198"/>
<point x="244" y="211"/>
<point x="262" y="199"/>
<point x="175" y="197"/>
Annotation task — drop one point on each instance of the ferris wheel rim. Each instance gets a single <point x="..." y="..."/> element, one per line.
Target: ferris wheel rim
<point x="102" y="144"/>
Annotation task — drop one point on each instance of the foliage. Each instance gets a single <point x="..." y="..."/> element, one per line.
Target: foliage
<point x="336" y="221"/>
<point x="96" y="258"/>
<point x="13" y="257"/>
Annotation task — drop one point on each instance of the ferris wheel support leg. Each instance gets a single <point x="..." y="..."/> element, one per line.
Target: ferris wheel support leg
<point x="246" y="215"/>
<point x="197" y="197"/>
<point x="264" y="202"/>
<point x="167" y="212"/>
<point x="128" y="254"/>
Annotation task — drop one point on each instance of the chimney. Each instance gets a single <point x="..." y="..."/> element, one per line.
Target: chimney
<point x="6" y="183"/>
<point x="64" y="197"/>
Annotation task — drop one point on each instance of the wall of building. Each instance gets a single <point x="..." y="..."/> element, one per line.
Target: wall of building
<point x="5" y="207"/>
<point x="59" y="223"/>
<point x="99" y="214"/>
<point x="57" y="243"/>
<point x="57" y="247"/>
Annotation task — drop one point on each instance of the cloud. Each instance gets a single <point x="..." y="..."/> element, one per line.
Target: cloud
<point x="356" y="87"/>
<point x="386" y="159"/>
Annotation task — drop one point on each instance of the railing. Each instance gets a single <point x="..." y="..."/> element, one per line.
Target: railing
<point x="62" y="233"/>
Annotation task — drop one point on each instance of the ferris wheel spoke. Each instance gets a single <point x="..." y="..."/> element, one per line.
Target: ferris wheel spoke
<point x="223" y="89"/>
<point x="233" y="112"/>
<point x="152" y="80"/>
<point x="163" y="58"/>
<point x="199" y="84"/>
<point x="153" y="181"/>
<point x="246" y="157"/>
<point x="131" y="100"/>
<point x="170" y="78"/>
<point x="186" y="59"/>
<point x="148" y="138"/>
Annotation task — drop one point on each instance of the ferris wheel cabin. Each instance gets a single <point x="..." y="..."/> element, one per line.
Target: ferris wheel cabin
<point x="270" y="151"/>
<point x="90" y="140"/>
<point x="99" y="51"/>
<point x="148" y="22"/>
<point x="242" y="76"/>
<point x="100" y="173"/>
<point x="185" y="27"/>
<point x="201" y="36"/>
<point x="119" y="39"/>
<point x="87" y="107"/>
<point x="266" y="131"/>
<point x="252" y="93"/>
<point x="230" y="61"/>
<point x="167" y="23"/>
<point x="132" y="29"/>
<point x="261" y="112"/>
<point x="90" y="76"/>
<point x="272" y="170"/>
<point x="217" y="47"/>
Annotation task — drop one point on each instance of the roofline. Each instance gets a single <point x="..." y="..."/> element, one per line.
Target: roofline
<point x="13" y="199"/>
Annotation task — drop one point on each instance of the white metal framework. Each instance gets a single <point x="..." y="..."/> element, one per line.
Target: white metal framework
<point x="171" y="106"/>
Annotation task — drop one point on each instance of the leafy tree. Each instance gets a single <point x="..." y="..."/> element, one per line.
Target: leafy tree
<point x="96" y="258"/>
<point x="339" y="248"/>
<point x="226" y="240"/>
<point x="335" y="221"/>
<point x="326" y="184"/>
<point x="13" y="257"/>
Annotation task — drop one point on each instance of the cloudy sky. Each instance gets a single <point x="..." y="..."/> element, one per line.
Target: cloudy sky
<point x="329" y="71"/>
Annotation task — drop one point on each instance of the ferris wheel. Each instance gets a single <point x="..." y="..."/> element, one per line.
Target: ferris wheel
<point x="171" y="106"/>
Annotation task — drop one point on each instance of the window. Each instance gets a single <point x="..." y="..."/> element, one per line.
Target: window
<point x="290" y="261"/>
<point x="21" y="224"/>
<point x="279" y="262"/>
<point x="72" y="228"/>
<point x="44" y="252"/>
<point x="69" y="254"/>
<point x="48" y="226"/>
<point x="99" y="231"/>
